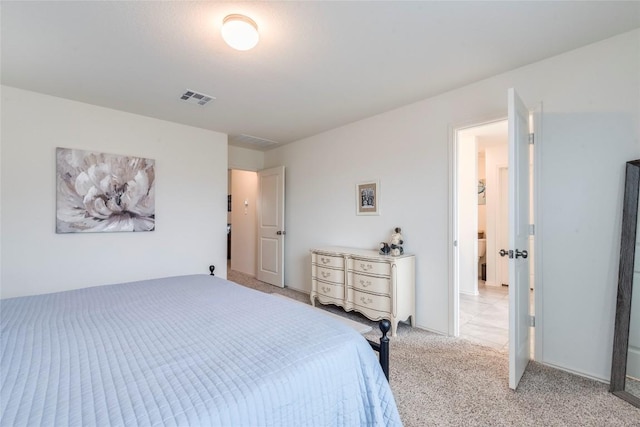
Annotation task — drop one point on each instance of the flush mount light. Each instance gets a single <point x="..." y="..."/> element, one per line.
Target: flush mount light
<point x="240" y="32"/>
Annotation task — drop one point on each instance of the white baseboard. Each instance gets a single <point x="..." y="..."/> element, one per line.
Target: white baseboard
<point x="303" y="291"/>
<point x="424" y="328"/>
<point x="579" y="373"/>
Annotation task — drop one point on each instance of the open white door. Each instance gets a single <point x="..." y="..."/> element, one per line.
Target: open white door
<point x="270" y="208"/>
<point x="518" y="238"/>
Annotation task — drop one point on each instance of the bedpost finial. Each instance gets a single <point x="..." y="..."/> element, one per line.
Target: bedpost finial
<point x="385" y="326"/>
<point x="211" y="268"/>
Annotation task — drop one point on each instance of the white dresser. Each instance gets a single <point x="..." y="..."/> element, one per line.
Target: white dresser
<point x="378" y="286"/>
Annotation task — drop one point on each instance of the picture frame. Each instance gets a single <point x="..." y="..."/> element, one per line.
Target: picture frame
<point x="368" y="198"/>
<point x="101" y="192"/>
<point x="482" y="191"/>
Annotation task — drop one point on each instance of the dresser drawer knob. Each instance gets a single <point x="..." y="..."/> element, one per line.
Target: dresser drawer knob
<point x="325" y="274"/>
<point x="365" y="284"/>
<point x="325" y="289"/>
<point x="325" y="260"/>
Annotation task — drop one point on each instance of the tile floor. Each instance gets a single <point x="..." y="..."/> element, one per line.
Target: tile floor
<point x="484" y="318"/>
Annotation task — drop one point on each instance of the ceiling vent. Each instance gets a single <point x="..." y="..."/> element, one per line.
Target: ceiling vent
<point x="251" y="141"/>
<point x="193" y="97"/>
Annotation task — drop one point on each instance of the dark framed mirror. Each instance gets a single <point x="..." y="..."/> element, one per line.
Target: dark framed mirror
<point x="625" y="364"/>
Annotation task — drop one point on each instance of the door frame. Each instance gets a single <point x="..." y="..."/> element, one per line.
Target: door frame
<point x="454" y="284"/>
<point x="535" y="116"/>
<point x="454" y="291"/>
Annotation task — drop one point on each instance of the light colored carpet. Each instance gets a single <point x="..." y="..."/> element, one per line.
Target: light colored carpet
<point x="360" y="327"/>
<point x="443" y="381"/>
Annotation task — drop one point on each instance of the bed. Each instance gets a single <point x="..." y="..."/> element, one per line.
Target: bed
<point x="187" y="350"/>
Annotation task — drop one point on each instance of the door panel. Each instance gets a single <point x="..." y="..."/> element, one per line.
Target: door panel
<point x="269" y="255"/>
<point x="271" y="230"/>
<point x="518" y="238"/>
<point x="269" y="193"/>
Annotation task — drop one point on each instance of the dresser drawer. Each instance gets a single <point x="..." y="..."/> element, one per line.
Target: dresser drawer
<point x="371" y="267"/>
<point x="378" y="285"/>
<point x="330" y="275"/>
<point x="330" y="290"/>
<point x="372" y="302"/>
<point x="323" y="260"/>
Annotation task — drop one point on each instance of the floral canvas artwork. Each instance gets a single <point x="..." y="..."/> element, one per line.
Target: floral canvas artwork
<point x="98" y="192"/>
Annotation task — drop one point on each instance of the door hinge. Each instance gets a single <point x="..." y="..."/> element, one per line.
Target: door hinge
<point x="532" y="229"/>
<point x="532" y="321"/>
<point x="531" y="138"/>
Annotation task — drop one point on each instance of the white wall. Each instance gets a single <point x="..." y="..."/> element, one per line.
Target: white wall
<point x="467" y="183"/>
<point x="245" y="159"/>
<point x="591" y="127"/>
<point x="191" y="188"/>
<point x="244" y="187"/>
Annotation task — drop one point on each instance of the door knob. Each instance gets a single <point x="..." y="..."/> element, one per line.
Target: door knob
<point x="280" y="233"/>
<point x="519" y="253"/>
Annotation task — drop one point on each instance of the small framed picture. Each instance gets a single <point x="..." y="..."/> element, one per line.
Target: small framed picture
<point x="482" y="193"/>
<point x="368" y="198"/>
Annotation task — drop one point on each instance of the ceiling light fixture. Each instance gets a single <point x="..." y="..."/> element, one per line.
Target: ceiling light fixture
<point x="240" y="32"/>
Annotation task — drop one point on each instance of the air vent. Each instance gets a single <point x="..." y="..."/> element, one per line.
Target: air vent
<point x="193" y="97"/>
<point x="251" y="141"/>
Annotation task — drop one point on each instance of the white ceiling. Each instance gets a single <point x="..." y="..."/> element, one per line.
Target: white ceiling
<point x="319" y="65"/>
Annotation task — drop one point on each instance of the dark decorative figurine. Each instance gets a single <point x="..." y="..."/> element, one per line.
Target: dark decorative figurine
<point x="384" y="248"/>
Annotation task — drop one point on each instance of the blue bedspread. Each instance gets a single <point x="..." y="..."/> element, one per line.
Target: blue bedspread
<point x="189" y="350"/>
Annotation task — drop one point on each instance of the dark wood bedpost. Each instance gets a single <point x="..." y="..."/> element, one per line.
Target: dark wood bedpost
<point x="383" y="347"/>
<point x="385" y="326"/>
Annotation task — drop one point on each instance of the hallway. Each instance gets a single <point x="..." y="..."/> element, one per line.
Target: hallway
<point x="484" y="318"/>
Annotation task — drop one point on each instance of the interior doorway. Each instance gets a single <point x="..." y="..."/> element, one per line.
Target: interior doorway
<point x="523" y="126"/>
<point x="241" y="221"/>
<point x="481" y="220"/>
<point x="255" y="224"/>
<point x="483" y="302"/>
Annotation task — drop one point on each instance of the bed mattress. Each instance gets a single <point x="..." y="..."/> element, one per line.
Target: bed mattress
<point x="188" y="350"/>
